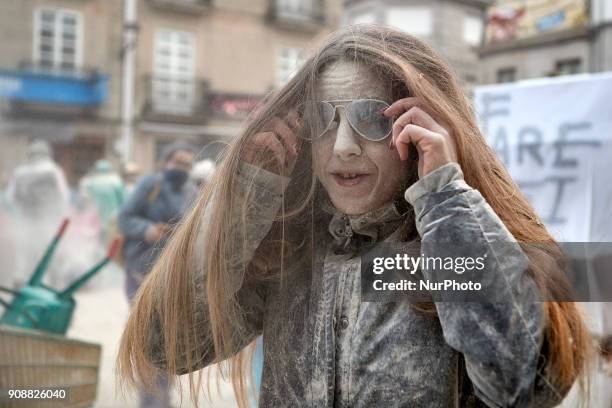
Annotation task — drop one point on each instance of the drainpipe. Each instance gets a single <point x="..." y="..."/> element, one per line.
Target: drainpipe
<point x="130" y="33"/>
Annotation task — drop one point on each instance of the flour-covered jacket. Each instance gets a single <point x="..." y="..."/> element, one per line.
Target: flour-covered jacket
<point x="324" y="347"/>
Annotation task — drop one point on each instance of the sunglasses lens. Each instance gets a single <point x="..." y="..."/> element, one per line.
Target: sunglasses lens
<point x="366" y="116"/>
<point x="317" y="115"/>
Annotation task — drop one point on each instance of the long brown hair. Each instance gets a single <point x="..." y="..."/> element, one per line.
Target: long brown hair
<point x="411" y="68"/>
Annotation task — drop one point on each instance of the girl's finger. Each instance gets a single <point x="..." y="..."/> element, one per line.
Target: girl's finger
<point x="287" y="135"/>
<point x="417" y="135"/>
<point x="439" y="132"/>
<point x="400" y="106"/>
<point x="418" y="116"/>
<point x="402" y="142"/>
<point x="424" y="119"/>
<point x="271" y="142"/>
<point x="293" y="120"/>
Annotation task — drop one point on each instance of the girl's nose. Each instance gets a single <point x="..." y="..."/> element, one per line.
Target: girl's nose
<point x="347" y="142"/>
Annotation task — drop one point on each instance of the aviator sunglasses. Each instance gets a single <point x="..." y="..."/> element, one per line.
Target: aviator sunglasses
<point x="364" y="115"/>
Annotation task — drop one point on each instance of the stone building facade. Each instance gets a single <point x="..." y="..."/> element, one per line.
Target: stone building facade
<point x="549" y="38"/>
<point x="454" y="28"/>
<point x="59" y="70"/>
<point x="199" y="67"/>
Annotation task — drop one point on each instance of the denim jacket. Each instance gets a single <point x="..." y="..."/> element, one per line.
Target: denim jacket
<point x="324" y="347"/>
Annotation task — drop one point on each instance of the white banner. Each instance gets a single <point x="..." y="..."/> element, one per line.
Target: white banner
<point x="554" y="136"/>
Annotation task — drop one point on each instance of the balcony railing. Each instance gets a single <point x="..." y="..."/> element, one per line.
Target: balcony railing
<point x="186" y="6"/>
<point x="297" y="14"/>
<point x="52" y="86"/>
<point x="175" y="99"/>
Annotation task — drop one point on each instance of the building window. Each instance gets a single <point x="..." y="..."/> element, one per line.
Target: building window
<point x="173" y="80"/>
<point x="288" y="61"/>
<point x="506" y="75"/>
<point x="58" y="37"/>
<point x="472" y="30"/>
<point x="568" y="67"/>
<point x="295" y="8"/>
<point x="413" y="20"/>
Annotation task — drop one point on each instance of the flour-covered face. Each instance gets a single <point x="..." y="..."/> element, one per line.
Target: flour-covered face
<point x="359" y="175"/>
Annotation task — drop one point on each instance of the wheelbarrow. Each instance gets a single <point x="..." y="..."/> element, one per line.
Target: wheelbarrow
<point x="35" y="355"/>
<point x="37" y="306"/>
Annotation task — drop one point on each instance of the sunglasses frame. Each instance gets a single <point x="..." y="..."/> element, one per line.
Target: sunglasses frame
<point x="345" y="104"/>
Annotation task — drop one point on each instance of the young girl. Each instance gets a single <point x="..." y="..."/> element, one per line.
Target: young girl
<point x="372" y="142"/>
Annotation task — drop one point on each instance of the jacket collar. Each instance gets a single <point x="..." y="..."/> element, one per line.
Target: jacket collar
<point x="374" y="226"/>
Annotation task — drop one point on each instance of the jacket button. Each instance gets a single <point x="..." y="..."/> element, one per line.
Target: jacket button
<point x="344" y="322"/>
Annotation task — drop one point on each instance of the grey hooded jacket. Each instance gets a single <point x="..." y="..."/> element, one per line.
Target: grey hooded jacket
<point x="325" y="347"/>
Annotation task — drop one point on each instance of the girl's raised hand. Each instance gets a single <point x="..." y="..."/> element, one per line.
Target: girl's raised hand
<point x="434" y="143"/>
<point x="278" y="138"/>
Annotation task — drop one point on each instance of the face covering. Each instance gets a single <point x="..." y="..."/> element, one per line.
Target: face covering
<point x="176" y="177"/>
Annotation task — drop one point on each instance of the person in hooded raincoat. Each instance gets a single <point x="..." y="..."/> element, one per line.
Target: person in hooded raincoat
<point x="39" y="196"/>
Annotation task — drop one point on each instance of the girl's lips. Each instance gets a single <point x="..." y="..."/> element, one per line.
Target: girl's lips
<point x="353" y="181"/>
